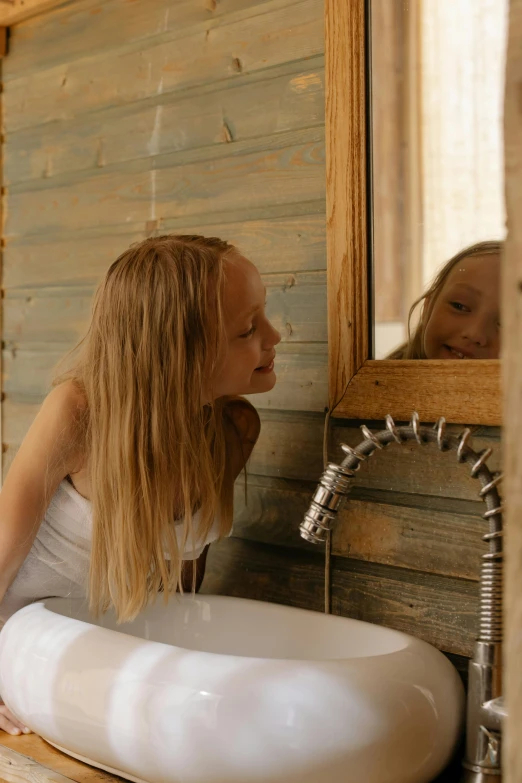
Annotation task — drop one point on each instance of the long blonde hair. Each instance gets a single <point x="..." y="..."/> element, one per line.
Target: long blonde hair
<point x="413" y="348"/>
<point x="156" y="453"/>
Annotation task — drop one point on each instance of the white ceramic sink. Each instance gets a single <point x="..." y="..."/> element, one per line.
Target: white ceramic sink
<point x="226" y="690"/>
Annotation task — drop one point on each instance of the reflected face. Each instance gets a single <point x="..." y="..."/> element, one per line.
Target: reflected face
<point x="248" y="364"/>
<point x="464" y="322"/>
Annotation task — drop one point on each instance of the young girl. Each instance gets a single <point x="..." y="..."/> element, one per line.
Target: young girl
<point x="460" y="317"/>
<point x="128" y="468"/>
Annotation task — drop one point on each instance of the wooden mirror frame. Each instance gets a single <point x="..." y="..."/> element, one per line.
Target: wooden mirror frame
<point x="359" y="387"/>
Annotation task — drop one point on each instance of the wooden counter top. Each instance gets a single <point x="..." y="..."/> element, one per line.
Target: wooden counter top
<point x="29" y="759"/>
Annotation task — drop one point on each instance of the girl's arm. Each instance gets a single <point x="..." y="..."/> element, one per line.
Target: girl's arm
<point x="49" y="452"/>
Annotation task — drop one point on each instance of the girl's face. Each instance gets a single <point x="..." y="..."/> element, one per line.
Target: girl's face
<point x="248" y="365"/>
<point x="464" y="322"/>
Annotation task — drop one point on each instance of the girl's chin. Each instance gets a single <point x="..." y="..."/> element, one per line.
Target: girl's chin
<point x="262" y="381"/>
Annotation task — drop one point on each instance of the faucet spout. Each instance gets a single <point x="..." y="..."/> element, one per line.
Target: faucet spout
<point x="485" y="708"/>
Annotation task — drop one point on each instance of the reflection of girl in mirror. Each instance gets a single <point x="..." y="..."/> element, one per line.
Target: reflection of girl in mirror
<point x="460" y="317"/>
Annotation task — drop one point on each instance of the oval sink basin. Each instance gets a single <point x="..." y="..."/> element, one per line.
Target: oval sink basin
<point x="226" y="690"/>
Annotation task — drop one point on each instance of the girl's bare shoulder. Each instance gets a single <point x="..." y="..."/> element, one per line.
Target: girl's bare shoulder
<point x="62" y="417"/>
<point x="66" y="405"/>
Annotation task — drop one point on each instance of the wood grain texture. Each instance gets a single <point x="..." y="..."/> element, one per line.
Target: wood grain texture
<point x="347" y="251"/>
<point x="255" y="173"/>
<point x="275" y="241"/>
<point x="359" y="387"/>
<point x="29" y="759"/>
<point x="461" y="391"/>
<point x="512" y="377"/>
<point x="85" y="27"/>
<point x="292" y="97"/>
<point x="248" y="43"/>
<point x="443" y="611"/>
<point x="296" y="306"/>
<point x="300" y="368"/>
<point x="371" y="526"/>
<point x="290" y="448"/>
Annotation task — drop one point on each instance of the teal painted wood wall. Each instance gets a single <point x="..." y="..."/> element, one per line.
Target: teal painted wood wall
<point x="125" y="118"/>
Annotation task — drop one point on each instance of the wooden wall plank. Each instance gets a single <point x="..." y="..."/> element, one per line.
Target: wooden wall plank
<point x="446" y="542"/>
<point x="301" y="370"/>
<point x="278" y="172"/>
<point x="291" y="31"/>
<point x="275" y="244"/>
<point x="439" y="610"/>
<point x="85" y="27"/>
<point x="268" y="573"/>
<point x="296" y="305"/>
<point x="28" y="374"/>
<point x="292" y="97"/>
<point x="290" y="447"/>
<point x="512" y="395"/>
<point x="420" y="539"/>
<point x="442" y="611"/>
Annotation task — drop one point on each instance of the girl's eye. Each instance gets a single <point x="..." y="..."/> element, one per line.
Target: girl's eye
<point x="460" y="307"/>
<point x="249" y="333"/>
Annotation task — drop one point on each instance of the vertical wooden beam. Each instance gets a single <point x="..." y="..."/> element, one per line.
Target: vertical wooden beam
<point x="346" y="226"/>
<point x="512" y="379"/>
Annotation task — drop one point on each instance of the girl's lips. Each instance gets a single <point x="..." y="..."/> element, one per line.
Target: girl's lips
<point x="459" y="354"/>
<point x="268" y="368"/>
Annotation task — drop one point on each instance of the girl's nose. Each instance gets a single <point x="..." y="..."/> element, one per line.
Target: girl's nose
<point x="478" y="333"/>
<point x="273" y="337"/>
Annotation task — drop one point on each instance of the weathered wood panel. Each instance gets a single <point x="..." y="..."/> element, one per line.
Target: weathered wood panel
<point x="468" y="391"/>
<point x="277" y="170"/>
<point x="301" y="370"/>
<point x="247" y="44"/>
<point x="296" y="305"/>
<point x="292" y="97"/>
<point x="275" y="242"/>
<point x="85" y="27"/>
<point x="291" y="442"/>
<point x="512" y="394"/>
<point x="442" y="611"/>
<point x="385" y="529"/>
<point x="290" y="447"/>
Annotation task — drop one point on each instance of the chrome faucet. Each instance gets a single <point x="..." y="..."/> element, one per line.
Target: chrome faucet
<point x="485" y="709"/>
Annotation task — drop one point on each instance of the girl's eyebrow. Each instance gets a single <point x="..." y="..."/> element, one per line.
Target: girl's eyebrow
<point x="250" y="312"/>
<point x="468" y="287"/>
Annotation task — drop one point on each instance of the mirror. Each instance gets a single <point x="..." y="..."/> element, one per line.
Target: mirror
<point x="437" y="190"/>
<point x="364" y="240"/>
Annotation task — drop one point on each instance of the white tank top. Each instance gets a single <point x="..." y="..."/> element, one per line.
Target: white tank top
<point x="58" y="562"/>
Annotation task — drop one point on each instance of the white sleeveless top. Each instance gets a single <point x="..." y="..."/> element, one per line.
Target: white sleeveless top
<point x="58" y="563"/>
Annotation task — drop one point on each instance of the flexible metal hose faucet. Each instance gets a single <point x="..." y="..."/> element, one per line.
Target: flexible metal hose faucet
<point x="485" y="707"/>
